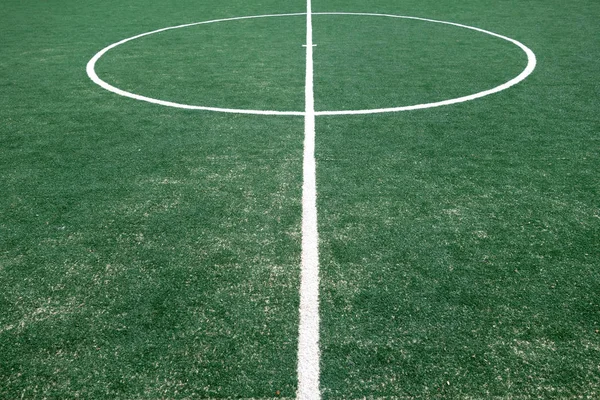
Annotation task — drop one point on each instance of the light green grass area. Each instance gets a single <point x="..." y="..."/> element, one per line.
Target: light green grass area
<point x="154" y="253"/>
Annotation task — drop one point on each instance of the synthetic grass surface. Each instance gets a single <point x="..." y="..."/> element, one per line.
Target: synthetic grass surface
<point x="460" y="245"/>
<point x="149" y="252"/>
<point x="145" y="252"/>
<point x="387" y="53"/>
<point x="212" y="64"/>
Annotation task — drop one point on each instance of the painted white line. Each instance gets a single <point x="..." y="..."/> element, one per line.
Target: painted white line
<point x="308" y="330"/>
<point x="531" y="64"/>
<point x="308" y="341"/>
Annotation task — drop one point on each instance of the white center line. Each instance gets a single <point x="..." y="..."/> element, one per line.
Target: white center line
<point x="308" y="339"/>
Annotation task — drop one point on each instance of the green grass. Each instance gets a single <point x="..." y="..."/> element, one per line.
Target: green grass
<point x="210" y="65"/>
<point x="153" y="253"/>
<point x="460" y="245"/>
<point x="390" y="53"/>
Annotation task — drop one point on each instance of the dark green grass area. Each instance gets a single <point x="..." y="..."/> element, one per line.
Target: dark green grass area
<point x="145" y="252"/>
<point x="459" y="245"/>
<point x="211" y="64"/>
<point x="380" y="62"/>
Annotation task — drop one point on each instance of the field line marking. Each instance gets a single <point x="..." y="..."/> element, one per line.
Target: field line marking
<point x="308" y="330"/>
<point x="91" y="72"/>
<point x="531" y="64"/>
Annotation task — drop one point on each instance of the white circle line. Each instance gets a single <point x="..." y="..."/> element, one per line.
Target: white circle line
<point x="91" y="71"/>
<point x="531" y="64"/>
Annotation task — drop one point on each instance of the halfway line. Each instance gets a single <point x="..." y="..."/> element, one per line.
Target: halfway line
<point x="308" y="338"/>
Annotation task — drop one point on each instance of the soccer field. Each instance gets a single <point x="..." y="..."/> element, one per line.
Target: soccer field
<point x="303" y="199"/>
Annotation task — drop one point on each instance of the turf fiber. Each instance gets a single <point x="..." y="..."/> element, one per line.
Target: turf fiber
<point x="153" y="253"/>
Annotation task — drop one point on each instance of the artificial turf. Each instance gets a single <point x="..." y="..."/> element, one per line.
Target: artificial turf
<point x="153" y="253"/>
<point x="460" y="245"/>
<point x="145" y="252"/>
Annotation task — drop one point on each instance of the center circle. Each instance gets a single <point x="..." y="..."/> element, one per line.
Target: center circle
<point x="531" y="63"/>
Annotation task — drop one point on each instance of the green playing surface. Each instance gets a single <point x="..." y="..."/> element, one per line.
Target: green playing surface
<point x="149" y="252"/>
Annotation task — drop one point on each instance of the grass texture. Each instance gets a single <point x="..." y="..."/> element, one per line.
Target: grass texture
<point x="153" y="253"/>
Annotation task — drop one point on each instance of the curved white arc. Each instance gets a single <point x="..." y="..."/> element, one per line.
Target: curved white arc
<point x="531" y="64"/>
<point x="91" y="72"/>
